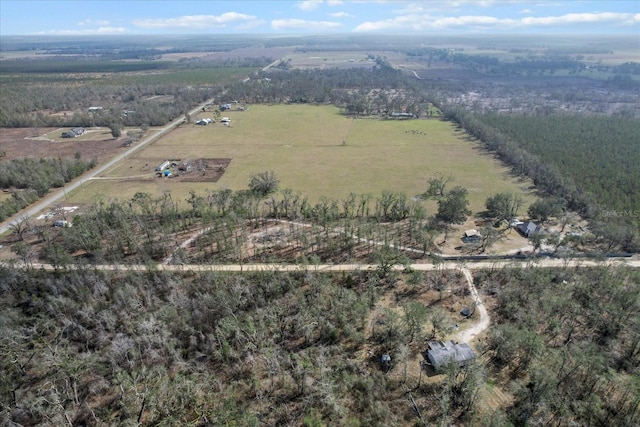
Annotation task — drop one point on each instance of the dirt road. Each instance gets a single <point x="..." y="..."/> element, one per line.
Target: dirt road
<point x="329" y="268"/>
<point x="468" y="334"/>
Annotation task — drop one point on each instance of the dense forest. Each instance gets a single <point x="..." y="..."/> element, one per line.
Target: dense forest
<point x="27" y="106"/>
<point x="89" y="347"/>
<point x="589" y="167"/>
<point x="580" y="148"/>
<point x="568" y="344"/>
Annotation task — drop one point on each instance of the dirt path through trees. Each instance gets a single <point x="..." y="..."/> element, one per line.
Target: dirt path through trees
<point x="468" y="334"/>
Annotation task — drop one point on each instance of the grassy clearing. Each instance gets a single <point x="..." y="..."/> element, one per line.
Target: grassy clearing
<point x="4" y="196"/>
<point x="303" y="144"/>
<point x="107" y="189"/>
<point x="320" y="58"/>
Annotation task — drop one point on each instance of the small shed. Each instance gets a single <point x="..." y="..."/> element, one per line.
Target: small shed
<point x="441" y="353"/>
<point x="528" y="229"/>
<point x="471" y="236"/>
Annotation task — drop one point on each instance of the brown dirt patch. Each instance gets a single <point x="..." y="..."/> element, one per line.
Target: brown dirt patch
<point x="198" y="170"/>
<point x="28" y="142"/>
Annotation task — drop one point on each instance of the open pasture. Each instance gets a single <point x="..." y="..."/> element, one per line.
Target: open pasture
<point x="318" y="152"/>
<point x="328" y="58"/>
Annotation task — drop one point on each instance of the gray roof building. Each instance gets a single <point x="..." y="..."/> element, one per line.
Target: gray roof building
<point x="441" y="353"/>
<point x="528" y="229"/>
<point x="73" y="133"/>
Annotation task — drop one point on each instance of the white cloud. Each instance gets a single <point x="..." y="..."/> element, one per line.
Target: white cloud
<point x="526" y="12"/>
<point x="340" y="15"/>
<point x="309" y="4"/>
<point x="196" y="21"/>
<point x="302" y="24"/>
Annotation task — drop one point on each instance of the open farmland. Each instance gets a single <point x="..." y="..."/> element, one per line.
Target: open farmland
<point x="319" y="152"/>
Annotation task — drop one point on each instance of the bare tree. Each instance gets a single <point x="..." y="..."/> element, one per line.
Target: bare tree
<point x="20" y="227"/>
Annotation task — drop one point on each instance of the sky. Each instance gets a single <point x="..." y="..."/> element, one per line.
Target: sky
<point x="97" y="17"/>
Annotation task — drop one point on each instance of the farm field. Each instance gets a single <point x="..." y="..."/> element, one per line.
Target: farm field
<point x="303" y="144"/>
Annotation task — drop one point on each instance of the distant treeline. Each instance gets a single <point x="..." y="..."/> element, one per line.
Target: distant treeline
<point x="77" y="65"/>
<point x="120" y="62"/>
<point x="551" y="62"/>
<point x="348" y="88"/>
<point x="22" y="106"/>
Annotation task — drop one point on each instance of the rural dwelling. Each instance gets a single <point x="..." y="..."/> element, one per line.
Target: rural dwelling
<point x="95" y="109"/>
<point x="441" y="353"/>
<point x="73" y="133"/>
<point x="204" y="122"/>
<point x="528" y="229"/>
<point x="471" y="236"/>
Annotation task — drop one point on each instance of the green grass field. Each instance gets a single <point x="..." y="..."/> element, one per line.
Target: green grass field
<point x="303" y="144"/>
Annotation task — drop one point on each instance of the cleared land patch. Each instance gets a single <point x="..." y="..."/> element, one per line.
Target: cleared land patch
<point x="317" y="151"/>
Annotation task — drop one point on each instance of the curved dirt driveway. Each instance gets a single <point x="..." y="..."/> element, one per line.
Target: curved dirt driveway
<point x="483" y="324"/>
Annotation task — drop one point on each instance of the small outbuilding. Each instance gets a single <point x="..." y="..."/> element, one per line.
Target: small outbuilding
<point x="471" y="236"/>
<point x="164" y="165"/>
<point x="204" y="122"/>
<point x="528" y="229"/>
<point x="441" y="353"/>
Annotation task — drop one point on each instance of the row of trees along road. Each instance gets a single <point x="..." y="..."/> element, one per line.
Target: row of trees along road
<point x="224" y="224"/>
